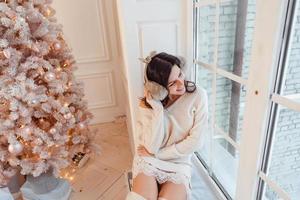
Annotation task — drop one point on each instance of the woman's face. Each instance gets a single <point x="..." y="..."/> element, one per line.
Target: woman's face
<point x="176" y="81"/>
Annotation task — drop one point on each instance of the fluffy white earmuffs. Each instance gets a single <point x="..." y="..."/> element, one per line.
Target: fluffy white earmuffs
<point x="157" y="91"/>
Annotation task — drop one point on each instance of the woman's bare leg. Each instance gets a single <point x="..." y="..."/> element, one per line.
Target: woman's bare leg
<point x="172" y="191"/>
<point x="146" y="186"/>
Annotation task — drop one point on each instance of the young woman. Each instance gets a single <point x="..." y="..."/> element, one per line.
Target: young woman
<point x="173" y="118"/>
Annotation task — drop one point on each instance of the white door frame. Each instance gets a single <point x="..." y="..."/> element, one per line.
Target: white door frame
<point x="264" y="58"/>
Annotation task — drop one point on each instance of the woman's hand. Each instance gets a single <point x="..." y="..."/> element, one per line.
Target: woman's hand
<point x="142" y="151"/>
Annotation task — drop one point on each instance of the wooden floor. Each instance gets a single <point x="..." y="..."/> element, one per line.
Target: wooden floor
<point x="102" y="178"/>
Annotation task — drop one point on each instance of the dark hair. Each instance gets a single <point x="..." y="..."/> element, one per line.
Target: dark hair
<point x="159" y="69"/>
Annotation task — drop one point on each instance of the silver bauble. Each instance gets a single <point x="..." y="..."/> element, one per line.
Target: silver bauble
<point x="15" y="148"/>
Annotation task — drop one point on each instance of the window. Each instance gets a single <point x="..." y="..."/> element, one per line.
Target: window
<point x="281" y="165"/>
<point x="247" y="57"/>
<point x="223" y="42"/>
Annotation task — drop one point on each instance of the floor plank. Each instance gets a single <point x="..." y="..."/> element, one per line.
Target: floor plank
<point x="117" y="192"/>
<point x="103" y="176"/>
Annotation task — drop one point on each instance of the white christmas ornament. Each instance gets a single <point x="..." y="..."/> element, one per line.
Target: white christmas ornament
<point x="15" y="148"/>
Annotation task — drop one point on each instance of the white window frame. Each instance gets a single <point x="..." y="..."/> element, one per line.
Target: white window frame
<point x="265" y="52"/>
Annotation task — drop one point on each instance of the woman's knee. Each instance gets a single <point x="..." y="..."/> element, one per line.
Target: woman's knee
<point x="145" y="186"/>
<point x="172" y="191"/>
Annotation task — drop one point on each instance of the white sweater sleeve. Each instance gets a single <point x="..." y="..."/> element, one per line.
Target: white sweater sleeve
<point x="152" y="127"/>
<point x="193" y="141"/>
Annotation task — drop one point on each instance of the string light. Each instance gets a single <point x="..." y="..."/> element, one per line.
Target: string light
<point x="66" y="63"/>
<point x="49" y="12"/>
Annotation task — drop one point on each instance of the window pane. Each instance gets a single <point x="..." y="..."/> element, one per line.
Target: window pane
<point x="205" y="33"/>
<point x="235" y="36"/>
<point x="225" y="166"/>
<point x="270" y="194"/>
<point x="291" y="83"/>
<point x="204" y="79"/>
<point x="230" y="101"/>
<point x="284" y="160"/>
<point x="218" y="153"/>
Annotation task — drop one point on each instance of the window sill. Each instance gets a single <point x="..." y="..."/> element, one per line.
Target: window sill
<point x="203" y="187"/>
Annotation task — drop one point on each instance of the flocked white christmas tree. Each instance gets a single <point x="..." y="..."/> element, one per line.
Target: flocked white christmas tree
<point x="43" y="118"/>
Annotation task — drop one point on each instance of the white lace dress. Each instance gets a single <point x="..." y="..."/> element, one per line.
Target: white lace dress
<point x="172" y="135"/>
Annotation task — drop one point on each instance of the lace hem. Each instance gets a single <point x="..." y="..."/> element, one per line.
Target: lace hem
<point x="162" y="176"/>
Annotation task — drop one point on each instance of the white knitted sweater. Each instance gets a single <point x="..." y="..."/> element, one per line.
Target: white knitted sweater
<point x="172" y="134"/>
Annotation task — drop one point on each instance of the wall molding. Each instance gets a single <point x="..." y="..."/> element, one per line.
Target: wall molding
<point x="101" y="21"/>
<point x="88" y="60"/>
<point x="103" y="42"/>
<point x="108" y="75"/>
<point x="103" y="36"/>
<point x="140" y="25"/>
